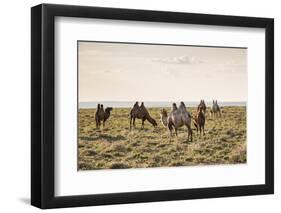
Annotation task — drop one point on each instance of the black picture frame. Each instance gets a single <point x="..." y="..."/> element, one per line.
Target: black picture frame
<point x="43" y="105"/>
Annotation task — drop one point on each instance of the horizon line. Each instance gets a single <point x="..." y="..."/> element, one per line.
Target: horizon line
<point x="162" y="101"/>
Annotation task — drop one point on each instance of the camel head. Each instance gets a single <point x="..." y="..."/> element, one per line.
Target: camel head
<point x="108" y="109"/>
<point x="98" y="106"/>
<point x="163" y="113"/>
<point x="153" y="122"/>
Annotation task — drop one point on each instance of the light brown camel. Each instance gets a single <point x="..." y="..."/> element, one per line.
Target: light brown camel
<point x="215" y="110"/>
<point x="178" y="117"/>
<point x="140" y="112"/>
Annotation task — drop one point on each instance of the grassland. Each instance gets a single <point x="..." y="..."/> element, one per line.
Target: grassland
<point x="116" y="147"/>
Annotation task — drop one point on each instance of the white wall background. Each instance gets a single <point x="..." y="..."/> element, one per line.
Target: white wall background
<point x="15" y="105"/>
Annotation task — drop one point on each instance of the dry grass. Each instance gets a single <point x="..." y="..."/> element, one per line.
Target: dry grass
<point x="116" y="147"/>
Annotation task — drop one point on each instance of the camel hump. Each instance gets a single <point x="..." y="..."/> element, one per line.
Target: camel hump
<point x="136" y="104"/>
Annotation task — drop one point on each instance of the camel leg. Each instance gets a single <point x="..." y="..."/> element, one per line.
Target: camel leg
<point x="170" y="135"/>
<point x="131" y="122"/>
<point x="189" y="133"/>
<point x="203" y="130"/>
<point x="134" y="119"/>
<point x="97" y="124"/>
<point x="176" y="132"/>
<point x="200" y="129"/>
<point x="142" y="124"/>
<point x="170" y="128"/>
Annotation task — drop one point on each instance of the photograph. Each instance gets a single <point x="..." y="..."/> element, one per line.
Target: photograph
<point x="149" y="105"/>
<point x="160" y="105"/>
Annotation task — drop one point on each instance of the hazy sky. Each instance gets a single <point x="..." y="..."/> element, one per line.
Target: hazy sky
<point x="130" y="72"/>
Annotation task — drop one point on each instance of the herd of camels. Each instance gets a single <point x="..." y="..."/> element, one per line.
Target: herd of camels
<point x="173" y="120"/>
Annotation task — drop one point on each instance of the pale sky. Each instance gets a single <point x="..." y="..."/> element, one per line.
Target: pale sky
<point x="130" y="72"/>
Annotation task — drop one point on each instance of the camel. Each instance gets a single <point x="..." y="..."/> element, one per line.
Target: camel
<point x="178" y="117"/>
<point x="164" y="117"/>
<point x="140" y="112"/>
<point x="106" y="114"/>
<point x="99" y="115"/>
<point x="102" y="115"/>
<point x="200" y="120"/>
<point x="203" y="105"/>
<point x="215" y="110"/>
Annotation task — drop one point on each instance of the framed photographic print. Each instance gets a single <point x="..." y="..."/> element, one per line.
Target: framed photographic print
<point x="139" y="106"/>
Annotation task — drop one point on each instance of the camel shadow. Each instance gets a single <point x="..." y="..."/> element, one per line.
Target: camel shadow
<point x="109" y="138"/>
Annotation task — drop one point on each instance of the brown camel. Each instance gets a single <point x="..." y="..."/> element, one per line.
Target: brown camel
<point x="200" y="120"/>
<point x="140" y="112"/>
<point x="99" y="115"/>
<point x="102" y="115"/>
<point x="106" y="114"/>
<point x="203" y="105"/>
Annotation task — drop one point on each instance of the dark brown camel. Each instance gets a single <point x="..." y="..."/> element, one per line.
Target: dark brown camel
<point x="200" y="120"/>
<point x="140" y="112"/>
<point x="106" y="114"/>
<point x="99" y="115"/>
<point x="102" y="115"/>
<point x="203" y="105"/>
